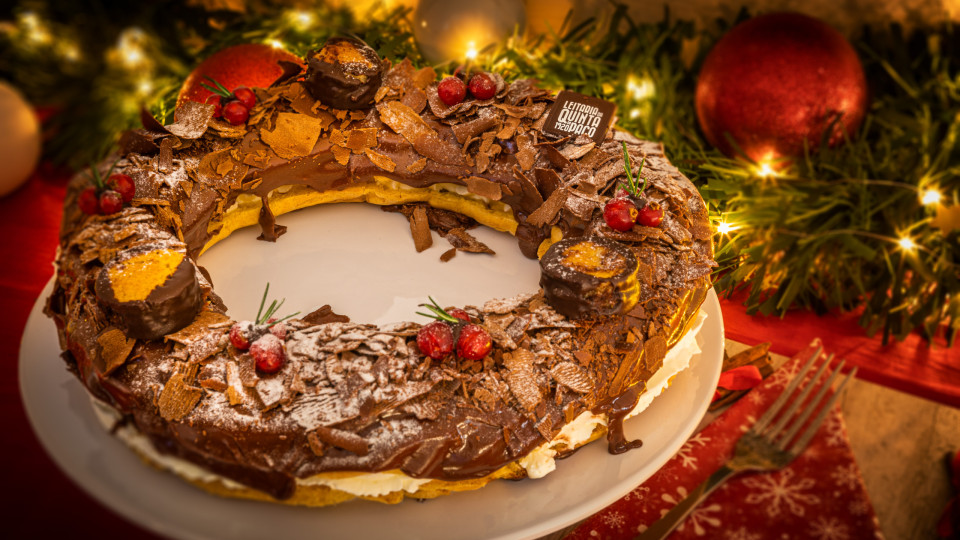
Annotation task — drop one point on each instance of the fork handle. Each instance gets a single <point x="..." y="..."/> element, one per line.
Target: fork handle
<point x="672" y="519"/>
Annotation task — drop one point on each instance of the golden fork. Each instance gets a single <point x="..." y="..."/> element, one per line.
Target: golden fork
<point x="765" y="446"/>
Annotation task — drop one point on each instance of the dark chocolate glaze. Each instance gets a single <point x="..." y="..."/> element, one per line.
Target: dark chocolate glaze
<point x="439" y="420"/>
<point x="580" y="295"/>
<point x="169" y="307"/>
<point x="344" y="85"/>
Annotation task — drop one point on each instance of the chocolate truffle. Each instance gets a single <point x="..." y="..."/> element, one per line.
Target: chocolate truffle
<point x="589" y="277"/>
<point x="345" y="73"/>
<point x="153" y="289"/>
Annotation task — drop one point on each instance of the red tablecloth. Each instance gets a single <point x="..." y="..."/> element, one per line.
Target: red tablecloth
<point x="29" y="220"/>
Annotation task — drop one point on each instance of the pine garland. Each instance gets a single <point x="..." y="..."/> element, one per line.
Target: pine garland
<point x="825" y="235"/>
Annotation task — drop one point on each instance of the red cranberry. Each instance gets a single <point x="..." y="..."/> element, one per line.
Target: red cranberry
<point x="110" y="202"/>
<point x="123" y="185"/>
<point x="279" y="329"/>
<point x="650" y="215"/>
<point x="620" y="214"/>
<point x="240" y="335"/>
<point x="268" y="353"/>
<point x="452" y="91"/>
<point x="235" y="113"/>
<point x="214" y="100"/>
<point x="459" y="314"/>
<point x="88" y="201"/>
<point x="474" y="342"/>
<point x="482" y="86"/>
<point x="435" y="340"/>
<point x="246" y="96"/>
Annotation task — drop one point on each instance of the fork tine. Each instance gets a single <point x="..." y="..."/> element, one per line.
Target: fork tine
<point x="804" y="439"/>
<point x="788" y="414"/>
<point x="782" y="398"/>
<point x="808" y="410"/>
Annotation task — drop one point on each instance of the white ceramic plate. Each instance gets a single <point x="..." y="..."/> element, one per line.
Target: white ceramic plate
<point x="356" y="258"/>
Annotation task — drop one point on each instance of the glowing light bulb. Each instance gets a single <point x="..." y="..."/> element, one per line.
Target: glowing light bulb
<point x="275" y="43"/>
<point x="724" y="228"/>
<point x="641" y="88"/>
<point x="144" y="87"/>
<point x="35" y="31"/>
<point x="302" y="19"/>
<point x="129" y="49"/>
<point x="930" y="196"/>
<point x="634" y="113"/>
<point x="766" y="171"/>
<point x="907" y="244"/>
<point x="70" y="52"/>
<point x="471" y="51"/>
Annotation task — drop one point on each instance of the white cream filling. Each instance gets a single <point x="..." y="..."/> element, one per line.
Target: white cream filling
<point x="537" y="463"/>
<point x="541" y="462"/>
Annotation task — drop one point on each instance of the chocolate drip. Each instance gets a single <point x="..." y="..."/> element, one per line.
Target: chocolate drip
<point x="617" y="410"/>
<point x="268" y="222"/>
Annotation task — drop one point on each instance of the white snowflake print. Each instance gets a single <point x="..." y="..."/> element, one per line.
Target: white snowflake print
<point x="686" y="451"/>
<point x="686" y="459"/>
<point x="858" y="507"/>
<point x="756" y="397"/>
<point x="829" y="529"/>
<point x="613" y="520"/>
<point x="835" y="428"/>
<point x="784" y="375"/>
<point x="846" y="476"/>
<point x="700" y="517"/>
<point x="671" y="500"/>
<point x="741" y="534"/>
<point x="776" y="490"/>
<point x="698" y="439"/>
<point x="638" y="493"/>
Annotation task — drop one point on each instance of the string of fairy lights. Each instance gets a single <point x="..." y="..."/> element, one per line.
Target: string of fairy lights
<point x="653" y="94"/>
<point x="928" y="197"/>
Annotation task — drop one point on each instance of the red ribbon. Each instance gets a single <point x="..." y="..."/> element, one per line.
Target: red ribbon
<point x="739" y="378"/>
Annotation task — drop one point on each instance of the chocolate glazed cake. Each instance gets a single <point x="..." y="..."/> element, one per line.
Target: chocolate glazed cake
<point x="143" y="329"/>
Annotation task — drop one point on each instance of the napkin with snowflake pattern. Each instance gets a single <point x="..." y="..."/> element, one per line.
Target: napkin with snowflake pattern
<point x="819" y="496"/>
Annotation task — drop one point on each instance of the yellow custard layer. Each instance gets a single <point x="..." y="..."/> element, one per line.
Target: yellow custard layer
<point x="382" y="191"/>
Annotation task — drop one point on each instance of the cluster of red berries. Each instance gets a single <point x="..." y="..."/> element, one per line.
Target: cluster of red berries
<point x="263" y="337"/>
<point x="453" y="329"/>
<point x="106" y="197"/>
<point x="622" y="211"/>
<point x="234" y="107"/>
<point x="628" y="206"/>
<point x="453" y="90"/>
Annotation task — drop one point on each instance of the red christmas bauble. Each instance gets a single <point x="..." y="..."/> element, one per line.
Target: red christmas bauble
<point x="250" y="64"/>
<point x="776" y="81"/>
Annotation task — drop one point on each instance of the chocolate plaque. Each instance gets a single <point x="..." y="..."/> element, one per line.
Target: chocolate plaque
<point x="575" y="114"/>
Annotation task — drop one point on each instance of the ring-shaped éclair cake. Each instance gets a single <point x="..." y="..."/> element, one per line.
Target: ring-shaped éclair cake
<point x="357" y="410"/>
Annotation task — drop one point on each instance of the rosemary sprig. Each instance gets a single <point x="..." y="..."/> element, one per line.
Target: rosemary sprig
<point x="95" y="175"/>
<point x="220" y="90"/>
<point x="263" y="317"/>
<point x="631" y="185"/>
<point x="437" y="312"/>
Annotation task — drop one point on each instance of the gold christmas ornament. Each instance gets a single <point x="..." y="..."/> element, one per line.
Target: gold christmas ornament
<point x="19" y="139"/>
